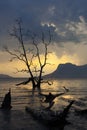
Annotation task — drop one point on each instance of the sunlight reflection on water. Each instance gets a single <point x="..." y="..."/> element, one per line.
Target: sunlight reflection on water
<point x="22" y="96"/>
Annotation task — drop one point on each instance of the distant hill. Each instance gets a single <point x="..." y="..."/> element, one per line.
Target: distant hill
<point x="5" y="76"/>
<point x="69" y="70"/>
<point x="64" y="71"/>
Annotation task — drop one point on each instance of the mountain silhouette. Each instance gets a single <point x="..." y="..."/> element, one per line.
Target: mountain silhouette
<point x="69" y="70"/>
<point x="5" y="76"/>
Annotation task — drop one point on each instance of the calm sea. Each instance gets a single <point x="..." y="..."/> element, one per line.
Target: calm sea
<point x="18" y="119"/>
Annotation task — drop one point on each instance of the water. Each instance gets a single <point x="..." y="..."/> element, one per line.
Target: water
<point x="18" y="119"/>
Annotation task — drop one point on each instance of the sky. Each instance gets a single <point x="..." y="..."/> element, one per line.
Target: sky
<point x="67" y="19"/>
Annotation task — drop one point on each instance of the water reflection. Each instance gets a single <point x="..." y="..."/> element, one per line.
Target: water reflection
<point x="21" y="96"/>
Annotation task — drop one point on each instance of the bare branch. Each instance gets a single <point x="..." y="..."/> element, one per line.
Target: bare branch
<point x="31" y="61"/>
<point x="15" y="56"/>
<point x="22" y="70"/>
<point x="48" y="82"/>
<point x="37" y="53"/>
<point x="22" y="54"/>
<point x="50" y="64"/>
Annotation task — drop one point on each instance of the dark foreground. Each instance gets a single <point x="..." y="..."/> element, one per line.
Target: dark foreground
<point x="18" y="119"/>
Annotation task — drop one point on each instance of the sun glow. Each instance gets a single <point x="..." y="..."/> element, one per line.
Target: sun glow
<point x="53" y="61"/>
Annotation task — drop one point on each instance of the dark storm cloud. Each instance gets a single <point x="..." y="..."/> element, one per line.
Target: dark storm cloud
<point x="41" y="15"/>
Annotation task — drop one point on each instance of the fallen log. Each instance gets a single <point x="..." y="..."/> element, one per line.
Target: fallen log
<point x="49" y="117"/>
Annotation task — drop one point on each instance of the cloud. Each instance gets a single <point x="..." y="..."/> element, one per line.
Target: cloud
<point x="67" y="20"/>
<point x="79" y="29"/>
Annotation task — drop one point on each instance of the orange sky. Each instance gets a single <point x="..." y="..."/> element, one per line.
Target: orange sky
<point x="9" y="68"/>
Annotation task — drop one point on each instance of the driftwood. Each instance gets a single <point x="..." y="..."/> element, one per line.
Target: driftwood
<point x="6" y="104"/>
<point x="24" y="82"/>
<point x="49" y="98"/>
<point x="49" y="117"/>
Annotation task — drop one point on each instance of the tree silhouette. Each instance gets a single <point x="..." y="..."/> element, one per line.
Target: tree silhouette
<point x="28" y="55"/>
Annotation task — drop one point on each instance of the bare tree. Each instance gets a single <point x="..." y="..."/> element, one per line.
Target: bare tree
<point x="27" y="56"/>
